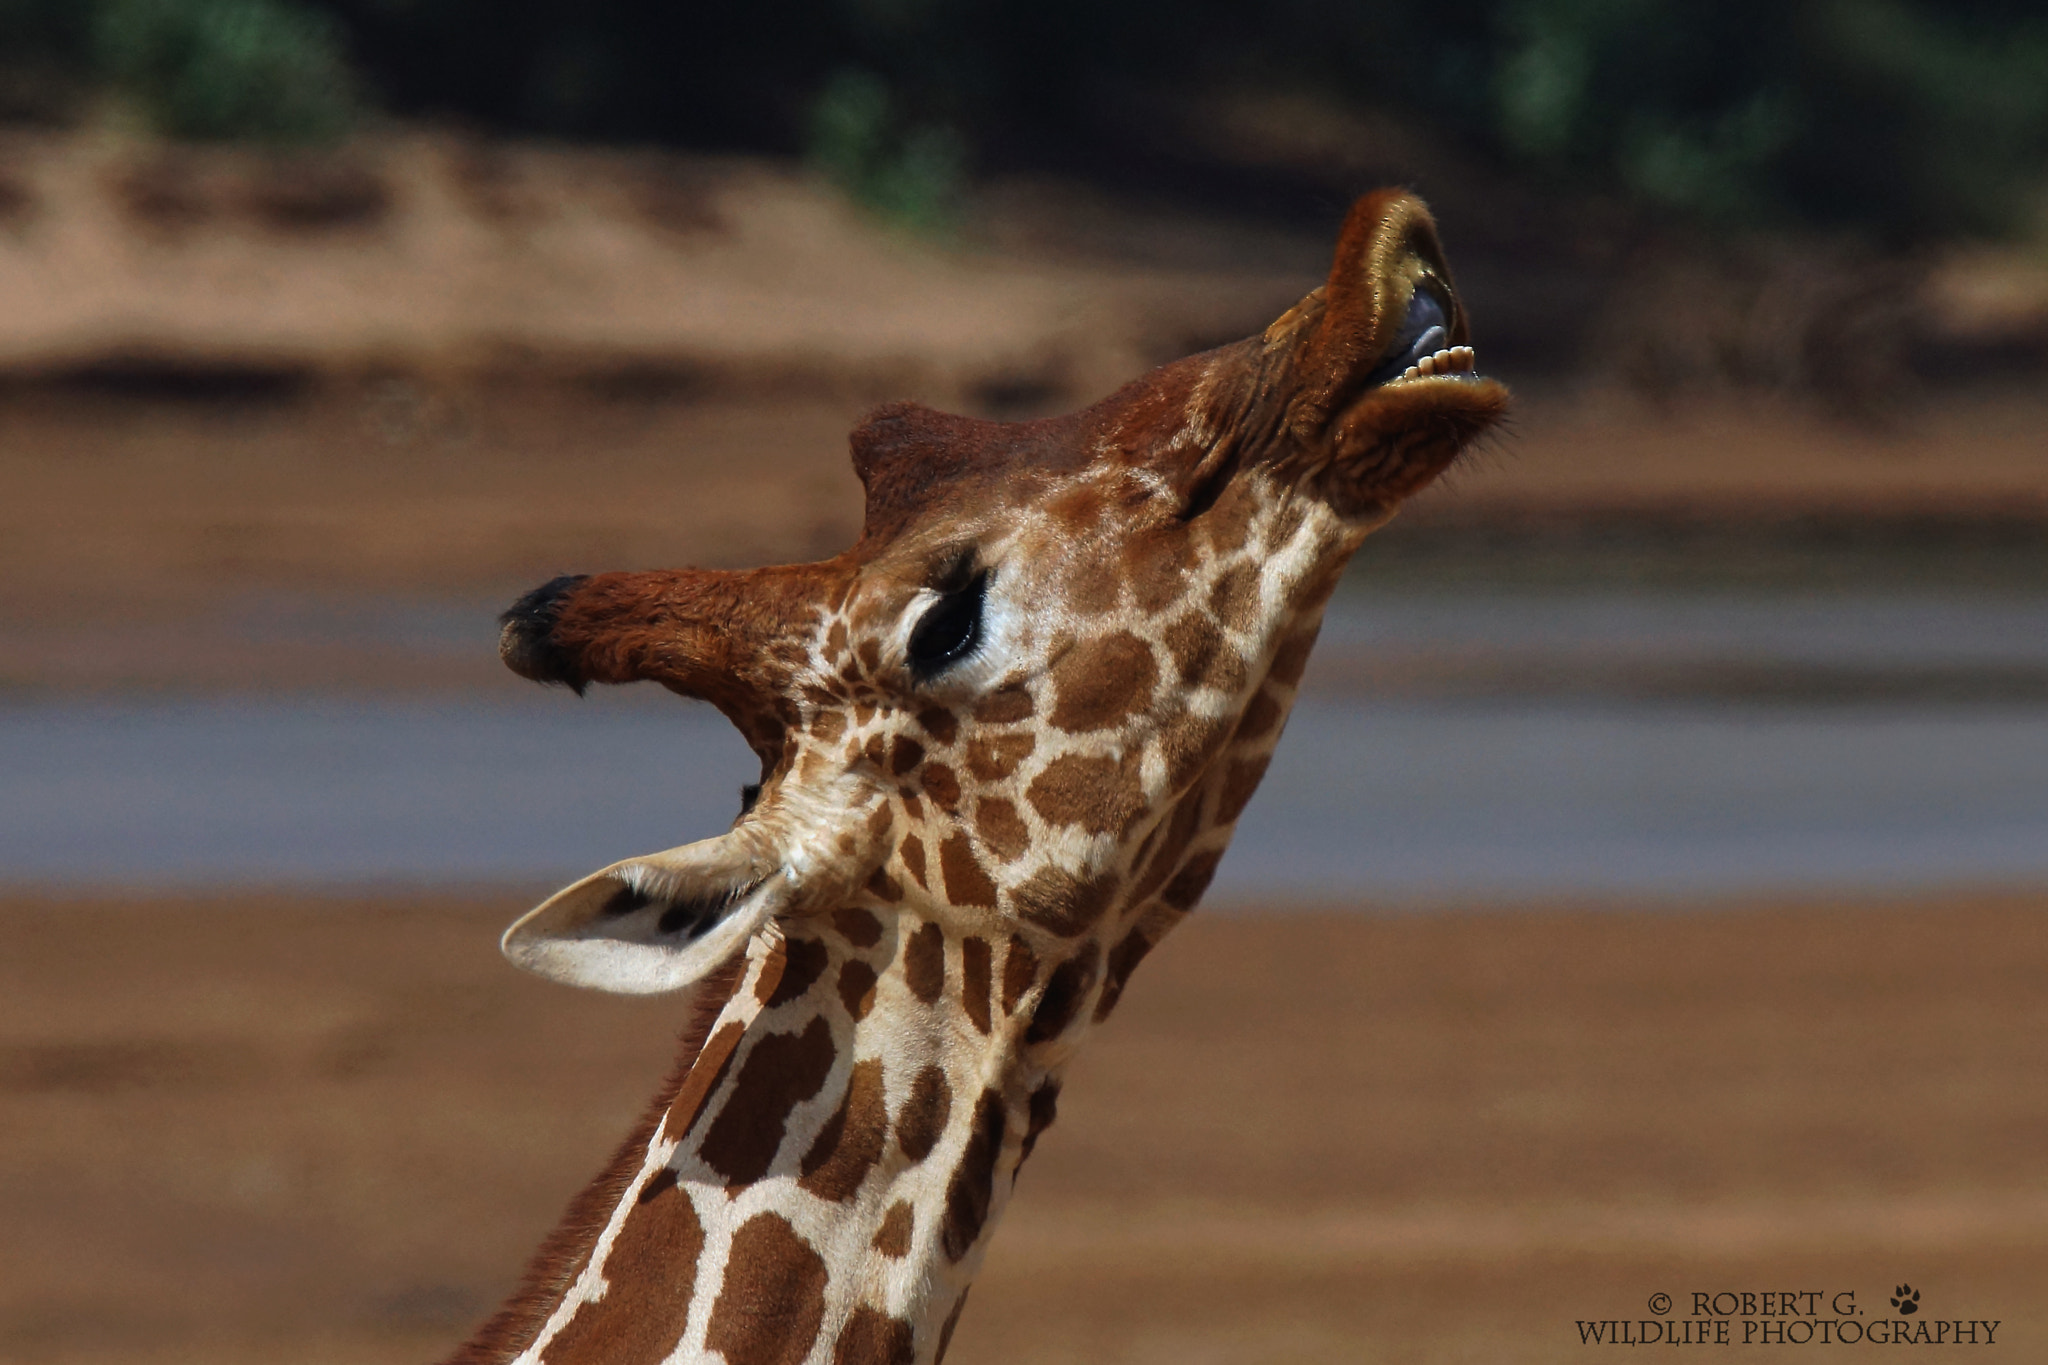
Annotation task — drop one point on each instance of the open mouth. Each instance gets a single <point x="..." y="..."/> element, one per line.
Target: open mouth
<point x="1420" y="352"/>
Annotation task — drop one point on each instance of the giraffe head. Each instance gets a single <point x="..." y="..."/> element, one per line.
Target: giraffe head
<point x="1034" y="697"/>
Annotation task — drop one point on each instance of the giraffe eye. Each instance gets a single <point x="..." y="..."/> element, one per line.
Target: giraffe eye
<point x="949" y="630"/>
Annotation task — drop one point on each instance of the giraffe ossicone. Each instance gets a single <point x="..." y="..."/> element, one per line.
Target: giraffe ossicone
<point x="1004" y="740"/>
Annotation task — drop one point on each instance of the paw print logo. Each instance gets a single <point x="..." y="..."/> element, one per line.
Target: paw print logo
<point x="1906" y="1300"/>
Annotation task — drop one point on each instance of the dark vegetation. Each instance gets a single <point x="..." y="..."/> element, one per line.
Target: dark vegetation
<point x="1902" y="119"/>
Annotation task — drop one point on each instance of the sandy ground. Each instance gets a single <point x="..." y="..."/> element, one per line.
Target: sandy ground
<point x="257" y="1128"/>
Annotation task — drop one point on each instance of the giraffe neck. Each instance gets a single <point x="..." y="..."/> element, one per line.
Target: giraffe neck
<point x="819" y="1181"/>
<point x="818" y="1184"/>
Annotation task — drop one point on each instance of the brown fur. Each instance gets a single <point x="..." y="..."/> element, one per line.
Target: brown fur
<point x="562" y="1255"/>
<point x="781" y="1071"/>
<point x="773" y="1296"/>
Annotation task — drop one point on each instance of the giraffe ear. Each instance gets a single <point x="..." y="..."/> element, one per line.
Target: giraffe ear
<point x="649" y="925"/>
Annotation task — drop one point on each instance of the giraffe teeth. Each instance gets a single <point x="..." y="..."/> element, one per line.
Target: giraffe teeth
<point x="1451" y="360"/>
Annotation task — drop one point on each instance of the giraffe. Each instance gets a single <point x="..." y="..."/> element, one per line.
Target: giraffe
<point x="1004" y="740"/>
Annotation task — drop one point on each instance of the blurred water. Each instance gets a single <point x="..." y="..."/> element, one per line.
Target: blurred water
<point x="1377" y="791"/>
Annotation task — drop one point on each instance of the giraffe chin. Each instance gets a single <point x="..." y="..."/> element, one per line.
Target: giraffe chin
<point x="655" y="924"/>
<point x="1398" y="438"/>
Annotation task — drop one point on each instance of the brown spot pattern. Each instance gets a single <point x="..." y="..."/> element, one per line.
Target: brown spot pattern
<point x="1292" y="657"/>
<point x="1180" y="832"/>
<point x="923" y="1116"/>
<point x="1102" y="682"/>
<point x="1020" y="969"/>
<point x="1238" y="786"/>
<point x="803" y="961"/>
<point x="991" y="758"/>
<point x="1100" y="795"/>
<point x="713" y="1059"/>
<point x="1187" y="887"/>
<point x="941" y="786"/>
<point x="884" y="886"/>
<point x="857" y="926"/>
<point x="1044" y="1108"/>
<point x="1001" y="828"/>
<point x="1234" y="598"/>
<point x="850" y="1143"/>
<point x="967" y="882"/>
<point x="1259" y="717"/>
<point x="1194" y="642"/>
<point x="782" y="1071"/>
<point x="904" y="755"/>
<point x="643" y="1318"/>
<point x="772" y="1300"/>
<point x="1123" y="960"/>
<point x="1156" y="567"/>
<point x="977" y="961"/>
<point x="924" y="963"/>
<point x="973" y="1184"/>
<point x="1064" y="991"/>
<point x="892" y="1239"/>
<point x="857" y="989"/>
<point x="911" y="850"/>
<point x="1002" y="708"/>
<point x="941" y="724"/>
<point x="1062" y="903"/>
<point x="1188" y="743"/>
<point x="1228" y="523"/>
<point x="872" y="1337"/>
<point x="828" y="726"/>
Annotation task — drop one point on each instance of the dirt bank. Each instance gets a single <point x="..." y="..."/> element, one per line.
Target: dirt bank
<point x="257" y="1128"/>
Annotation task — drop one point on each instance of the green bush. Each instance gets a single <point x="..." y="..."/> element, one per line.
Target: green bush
<point x="1913" y="117"/>
<point x="913" y="173"/>
<point x="1899" y="118"/>
<point x="266" y="69"/>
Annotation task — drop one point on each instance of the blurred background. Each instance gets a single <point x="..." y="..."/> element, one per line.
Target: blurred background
<point x="1665" y="820"/>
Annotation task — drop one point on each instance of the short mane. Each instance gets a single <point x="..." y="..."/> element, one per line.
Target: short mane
<point x="566" y="1250"/>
